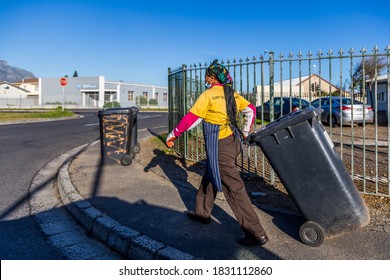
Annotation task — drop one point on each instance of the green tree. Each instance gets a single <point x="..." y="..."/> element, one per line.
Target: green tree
<point x="369" y="67"/>
<point x="153" y="101"/>
<point x="142" y="100"/>
<point x="114" y="104"/>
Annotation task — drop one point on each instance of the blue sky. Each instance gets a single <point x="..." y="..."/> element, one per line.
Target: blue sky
<point x="136" y="41"/>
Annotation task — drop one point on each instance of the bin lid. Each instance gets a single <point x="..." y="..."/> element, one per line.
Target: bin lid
<point x="111" y="111"/>
<point x="285" y="121"/>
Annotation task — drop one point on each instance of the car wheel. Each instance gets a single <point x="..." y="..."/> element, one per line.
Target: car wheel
<point x="332" y="122"/>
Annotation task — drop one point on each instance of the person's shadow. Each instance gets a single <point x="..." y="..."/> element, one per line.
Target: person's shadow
<point x="177" y="170"/>
<point x="179" y="175"/>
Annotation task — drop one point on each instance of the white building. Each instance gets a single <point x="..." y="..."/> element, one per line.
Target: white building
<point x="11" y="95"/>
<point x="381" y="90"/>
<point x="94" y="92"/>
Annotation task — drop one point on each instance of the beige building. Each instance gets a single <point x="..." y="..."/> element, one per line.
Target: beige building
<point x="31" y="85"/>
<point x="304" y="87"/>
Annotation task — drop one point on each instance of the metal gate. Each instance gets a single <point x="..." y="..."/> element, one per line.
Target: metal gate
<point x="361" y="76"/>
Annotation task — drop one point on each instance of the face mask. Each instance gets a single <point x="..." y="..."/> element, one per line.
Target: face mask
<point x="207" y="85"/>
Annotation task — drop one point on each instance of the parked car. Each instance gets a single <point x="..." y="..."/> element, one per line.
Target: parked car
<point x="342" y="110"/>
<point x="282" y="106"/>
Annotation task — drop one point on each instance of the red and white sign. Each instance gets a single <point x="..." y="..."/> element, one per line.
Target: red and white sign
<point x="63" y="82"/>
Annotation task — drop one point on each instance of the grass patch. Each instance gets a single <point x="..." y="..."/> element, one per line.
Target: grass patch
<point x="258" y="121"/>
<point x="49" y="114"/>
<point x="159" y="142"/>
<point x="153" y="109"/>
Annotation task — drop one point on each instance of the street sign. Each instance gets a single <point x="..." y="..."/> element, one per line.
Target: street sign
<point x="63" y="82"/>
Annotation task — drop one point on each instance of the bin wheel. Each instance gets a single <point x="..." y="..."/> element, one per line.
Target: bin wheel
<point x="311" y="234"/>
<point x="127" y="159"/>
<point x="137" y="148"/>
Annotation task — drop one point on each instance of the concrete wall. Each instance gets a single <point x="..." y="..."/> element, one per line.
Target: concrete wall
<point x="96" y="91"/>
<point x="52" y="92"/>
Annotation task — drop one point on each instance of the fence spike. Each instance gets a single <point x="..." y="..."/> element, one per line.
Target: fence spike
<point x="351" y="51"/>
<point x="319" y="53"/>
<point x="281" y="55"/>
<point x="341" y="51"/>
<point x="299" y="54"/>
<point x="309" y="54"/>
<point x="330" y="52"/>
<point x="363" y="50"/>
<point x="387" y="48"/>
<point x="375" y="50"/>
<point x="290" y="55"/>
<point x="254" y="58"/>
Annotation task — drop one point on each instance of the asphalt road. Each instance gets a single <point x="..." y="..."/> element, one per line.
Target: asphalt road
<point x="24" y="149"/>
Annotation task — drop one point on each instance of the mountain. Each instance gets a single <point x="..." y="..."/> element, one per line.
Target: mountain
<point x="13" y="74"/>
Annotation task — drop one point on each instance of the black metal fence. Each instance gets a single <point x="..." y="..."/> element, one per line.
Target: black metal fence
<point x="361" y="76"/>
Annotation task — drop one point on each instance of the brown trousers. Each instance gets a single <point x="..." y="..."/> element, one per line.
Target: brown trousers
<point x="233" y="188"/>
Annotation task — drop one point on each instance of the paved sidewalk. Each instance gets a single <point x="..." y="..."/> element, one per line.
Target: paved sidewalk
<point x="139" y="213"/>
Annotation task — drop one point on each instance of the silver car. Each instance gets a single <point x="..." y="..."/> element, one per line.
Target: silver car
<point x="342" y="110"/>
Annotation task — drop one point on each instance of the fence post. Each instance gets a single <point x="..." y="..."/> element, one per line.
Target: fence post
<point x="388" y="115"/>
<point x="271" y="85"/>
<point x="170" y="101"/>
<point x="271" y="95"/>
<point x="184" y="108"/>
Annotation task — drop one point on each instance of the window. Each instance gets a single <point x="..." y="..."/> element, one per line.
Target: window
<point x="130" y="95"/>
<point x="381" y="97"/>
<point x="165" y="96"/>
<point x="145" y="94"/>
<point x="277" y="101"/>
<point x="156" y="95"/>
<point x="316" y="103"/>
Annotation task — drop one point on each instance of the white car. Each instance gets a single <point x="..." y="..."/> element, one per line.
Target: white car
<point x="342" y="110"/>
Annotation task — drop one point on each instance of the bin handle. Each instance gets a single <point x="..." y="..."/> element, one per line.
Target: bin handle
<point x="276" y="139"/>
<point x="288" y="128"/>
<point x="290" y="132"/>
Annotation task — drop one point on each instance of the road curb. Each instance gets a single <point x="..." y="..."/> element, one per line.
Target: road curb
<point x="66" y="237"/>
<point x="122" y="239"/>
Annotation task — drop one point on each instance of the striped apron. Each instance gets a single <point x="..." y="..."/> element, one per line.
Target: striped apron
<point x="211" y="133"/>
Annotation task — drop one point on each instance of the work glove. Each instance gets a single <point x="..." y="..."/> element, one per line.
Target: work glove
<point x="170" y="139"/>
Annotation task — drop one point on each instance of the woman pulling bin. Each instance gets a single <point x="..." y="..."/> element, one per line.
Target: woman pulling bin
<point x="218" y="107"/>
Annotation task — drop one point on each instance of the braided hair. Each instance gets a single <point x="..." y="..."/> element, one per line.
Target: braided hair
<point x="219" y="72"/>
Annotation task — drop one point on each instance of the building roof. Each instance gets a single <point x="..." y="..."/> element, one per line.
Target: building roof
<point x="298" y="81"/>
<point x="9" y="84"/>
<point x="27" y="81"/>
<point x="382" y="78"/>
